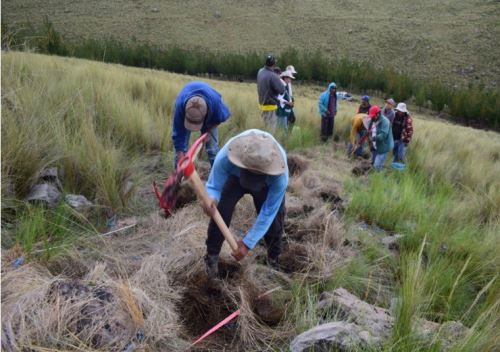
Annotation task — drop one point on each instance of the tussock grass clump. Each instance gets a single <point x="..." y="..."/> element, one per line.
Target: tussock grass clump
<point x="96" y="122"/>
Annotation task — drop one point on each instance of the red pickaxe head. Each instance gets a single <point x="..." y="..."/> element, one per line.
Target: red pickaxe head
<point x="185" y="168"/>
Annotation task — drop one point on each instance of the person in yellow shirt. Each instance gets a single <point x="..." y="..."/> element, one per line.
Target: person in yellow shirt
<point x="359" y="134"/>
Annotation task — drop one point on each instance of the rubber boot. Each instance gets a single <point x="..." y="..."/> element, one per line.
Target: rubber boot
<point x="212" y="266"/>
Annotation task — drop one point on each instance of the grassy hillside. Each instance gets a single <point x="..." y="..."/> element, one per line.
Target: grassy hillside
<point x="455" y="41"/>
<point x="109" y="125"/>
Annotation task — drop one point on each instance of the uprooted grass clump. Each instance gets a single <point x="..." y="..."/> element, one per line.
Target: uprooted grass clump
<point x="154" y="285"/>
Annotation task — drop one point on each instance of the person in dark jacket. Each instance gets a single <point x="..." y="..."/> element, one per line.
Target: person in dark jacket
<point x="291" y="117"/>
<point x="198" y="107"/>
<point x="327" y="107"/>
<point x="252" y="163"/>
<point x="365" y="105"/>
<point x="285" y="105"/>
<point x="269" y="86"/>
<point x="402" y="132"/>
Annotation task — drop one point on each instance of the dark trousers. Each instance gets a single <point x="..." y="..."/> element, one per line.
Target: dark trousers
<point x="232" y="192"/>
<point x="327" y="123"/>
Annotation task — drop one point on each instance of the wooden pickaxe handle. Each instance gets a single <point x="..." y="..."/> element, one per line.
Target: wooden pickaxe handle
<point x="198" y="187"/>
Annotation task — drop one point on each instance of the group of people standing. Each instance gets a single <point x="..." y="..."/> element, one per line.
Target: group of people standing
<point x="254" y="163"/>
<point x="382" y="129"/>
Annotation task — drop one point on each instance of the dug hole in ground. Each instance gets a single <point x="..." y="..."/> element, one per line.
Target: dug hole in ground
<point x="147" y="289"/>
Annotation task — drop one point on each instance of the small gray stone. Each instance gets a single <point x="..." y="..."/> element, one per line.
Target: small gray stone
<point x="46" y="193"/>
<point x="78" y="202"/>
<point x="50" y="175"/>
<point x="334" y="336"/>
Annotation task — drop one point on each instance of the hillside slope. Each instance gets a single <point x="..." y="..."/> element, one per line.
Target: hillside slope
<point x="108" y="126"/>
<point x="455" y="41"/>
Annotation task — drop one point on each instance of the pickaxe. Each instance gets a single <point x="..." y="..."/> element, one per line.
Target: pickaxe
<point x="185" y="170"/>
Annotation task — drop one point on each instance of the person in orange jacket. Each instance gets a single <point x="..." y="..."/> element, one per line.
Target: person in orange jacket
<point x="359" y="131"/>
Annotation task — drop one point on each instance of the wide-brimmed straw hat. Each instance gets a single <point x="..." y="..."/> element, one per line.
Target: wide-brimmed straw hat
<point x="402" y="107"/>
<point x="258" y="152"/>
<point x="195" y="113"/>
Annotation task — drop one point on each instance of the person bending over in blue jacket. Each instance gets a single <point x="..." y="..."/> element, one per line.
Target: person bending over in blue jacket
<point x="252" y="163"/>
<point x="198" y="107"/>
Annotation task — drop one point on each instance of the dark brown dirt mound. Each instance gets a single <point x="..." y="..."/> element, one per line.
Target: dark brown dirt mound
<point x="203" y="169"/>
<point x="99" y="314"/>
<point x="296" y="164"/>
<point x="270" y="313"/>
<point x="362" y="168"/>
<point x="185" y="196"/>
<point x="294" y="258"/>
<point x="206" y="303"/>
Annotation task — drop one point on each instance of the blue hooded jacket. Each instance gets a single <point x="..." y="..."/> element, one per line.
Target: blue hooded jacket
<point x="217" y="112"/>
<point x="323" y="100"/>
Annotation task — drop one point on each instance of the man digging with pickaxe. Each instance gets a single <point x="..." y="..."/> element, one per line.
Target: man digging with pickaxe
<point x="252" y="163"/>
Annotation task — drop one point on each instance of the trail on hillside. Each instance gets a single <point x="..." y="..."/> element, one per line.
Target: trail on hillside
<point x="148" y="286"/>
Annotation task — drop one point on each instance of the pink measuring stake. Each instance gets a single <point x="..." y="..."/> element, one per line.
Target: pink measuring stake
<point x="217" y="327"/>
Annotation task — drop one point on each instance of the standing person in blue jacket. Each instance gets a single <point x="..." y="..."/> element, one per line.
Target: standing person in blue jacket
<point x="327" y="106"/>
<point x="252" y="163"/>
<point x="198" y="107"/>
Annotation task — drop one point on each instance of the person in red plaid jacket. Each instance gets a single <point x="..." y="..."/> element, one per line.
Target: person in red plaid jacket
<point x="402" y="131"/>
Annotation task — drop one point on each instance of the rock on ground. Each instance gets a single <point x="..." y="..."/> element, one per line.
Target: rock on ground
<point x="78" y="202"/>
<point x="379" y="322"/>
<point x="335" y="336"/>
<point x="45" y="193"/>
<point x="349" y="307"/>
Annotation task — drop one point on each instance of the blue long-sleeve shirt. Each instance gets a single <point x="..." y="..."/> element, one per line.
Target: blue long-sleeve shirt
<point x="223" y="168"/>
<point x="217" y="112"/>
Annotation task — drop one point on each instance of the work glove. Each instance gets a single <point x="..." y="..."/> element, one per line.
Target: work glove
<point x="209" y="207"/>
<point x="241" y="252"/>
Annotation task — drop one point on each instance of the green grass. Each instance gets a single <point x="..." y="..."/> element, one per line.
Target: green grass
<point x="47" y="231"/>
<point x="100" y="122"/>
<point x="474" y="105"/>
<point x="404" y="35"/>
